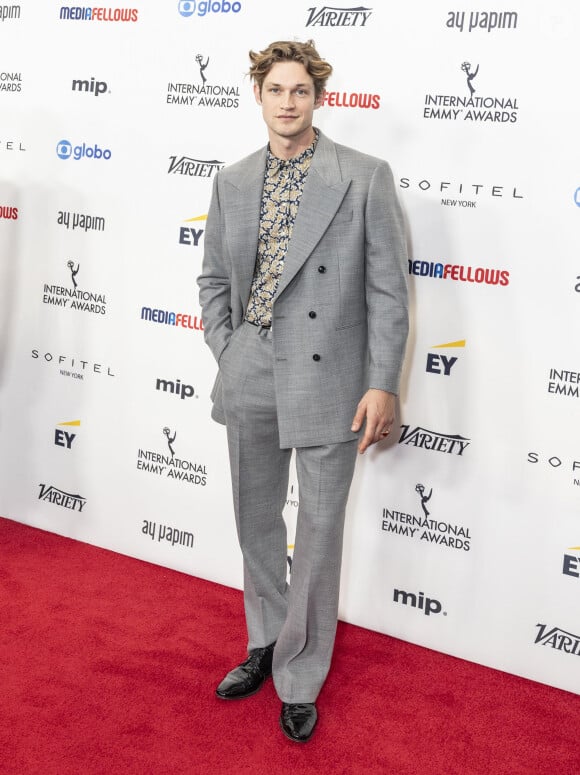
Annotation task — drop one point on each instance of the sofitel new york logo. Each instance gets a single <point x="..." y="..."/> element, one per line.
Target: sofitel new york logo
<point x="203" y="94"/>
<point x="169" y="465"/>
<point x="421" y="438"/>
<point x="422" y="528"/>
<point x="61" y="498"/>
<point x="85" y="301"/>
<point x="331" y="16"/>
<point x="453" y="107"/>
<point x="72" y="366"/>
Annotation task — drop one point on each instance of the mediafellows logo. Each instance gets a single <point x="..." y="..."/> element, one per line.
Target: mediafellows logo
<point x="487" y="21"/>
<point x="66" y="150"/>
<point x="205" y="93"/>
<point x="425" y="528"/>
<point x="8" y="213"/>
<point x="331" y="16"/>
<point x="469" y="107"/>
<point x="335" y="99"/>
<point x="192" y="8"/>
<point x="66" y="500"/>
<point x="79" y="13"/>
<point x="465" y="274"/>
<point x="179" y="319"/>
<point x="432" y="441"/>
<point x="198" y="168"/>
<point x="11" y="82"/>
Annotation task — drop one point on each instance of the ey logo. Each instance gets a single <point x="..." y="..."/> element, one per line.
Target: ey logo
<point x="571" y="563"/>
<point x="189" y="235"/>
<point x="65" y="438"/>
<point x="442" y="364"/>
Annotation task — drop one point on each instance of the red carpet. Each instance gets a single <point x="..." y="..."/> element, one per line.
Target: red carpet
<point x="108" y="665"/>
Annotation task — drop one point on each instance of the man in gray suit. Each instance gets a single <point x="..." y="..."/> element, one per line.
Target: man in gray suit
<point x="304" y="300"/>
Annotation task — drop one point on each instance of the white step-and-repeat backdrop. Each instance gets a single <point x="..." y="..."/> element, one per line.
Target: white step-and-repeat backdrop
<point x="463" y="532"/>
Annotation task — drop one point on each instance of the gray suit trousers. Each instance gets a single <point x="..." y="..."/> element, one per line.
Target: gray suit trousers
<point x="301" y="617"/>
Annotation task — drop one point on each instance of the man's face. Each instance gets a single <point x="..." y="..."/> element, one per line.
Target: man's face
<point x="287" y="100"/>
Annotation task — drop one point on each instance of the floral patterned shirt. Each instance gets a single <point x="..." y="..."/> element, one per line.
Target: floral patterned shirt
<point x="283" y="185"/>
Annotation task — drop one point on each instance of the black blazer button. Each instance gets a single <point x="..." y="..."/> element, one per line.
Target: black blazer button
<point x="316" y="357"/>
<point x="312" y="314"/>
<point x="322" y="269"/>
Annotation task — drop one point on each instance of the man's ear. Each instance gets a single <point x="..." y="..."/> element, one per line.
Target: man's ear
<point x="257" y="94"/>
<point x="319" y="101"/>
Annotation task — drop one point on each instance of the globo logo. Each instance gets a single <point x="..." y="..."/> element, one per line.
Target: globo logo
<point x="189" y="7"/>
<point x="65" y="149"/>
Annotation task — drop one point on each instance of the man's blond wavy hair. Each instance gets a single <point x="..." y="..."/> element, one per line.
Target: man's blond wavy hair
<point x="291" y="51"/>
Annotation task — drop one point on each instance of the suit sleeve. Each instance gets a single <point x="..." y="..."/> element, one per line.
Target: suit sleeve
<point x="215" y="280"/>
<point x="385" y="282"/>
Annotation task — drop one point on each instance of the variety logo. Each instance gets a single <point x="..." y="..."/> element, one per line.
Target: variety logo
<point x="199" y="168"/>
<point x="9" y="12"/>
<point x="558" y="639"/>
<point x="330" y="16"/>
<point x="8" y="213"/>
<point x="554" y="461"/>
<point x="64" y="438"/>
<point x="421" y="438"/>
<point x="571" y="566"/>
<point x="351" y="100"/>
<point x="191" y="7"/>
<point x="65" y="150"/>
<point x="477" y="190"/>
<point x="426" y="604"/>
<point x="11" y="145"/>
<point x="452" y="107"/>
<point x="179" y="319"/>
<point x="433" y="531"/>
<point x="177" y="388"/>
<point x="441" y="364"/>
<point x="83" y="14"/>
<point x="85" y="301"/>
<point x="204" y="94"/>
<point x="72" y="367"/>
<point x="61" y="498"/>
<point x="577" y="197"/>
<point x="10" y="81"/>
<point x="564" y="383"/>
<point x="465" y="274"/>
<point x="189" y="235"/>
<point x="173" y="535"/>
<point x="92" y="87"/>
<point x="80" y="221"/>
<point x="482" y="20"/>
<point x="170" y="466"/>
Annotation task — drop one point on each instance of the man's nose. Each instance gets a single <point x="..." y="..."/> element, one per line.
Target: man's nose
<point x="288" y="101"/>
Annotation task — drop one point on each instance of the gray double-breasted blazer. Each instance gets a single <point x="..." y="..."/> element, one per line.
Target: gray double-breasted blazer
<point x="340" y="320"/>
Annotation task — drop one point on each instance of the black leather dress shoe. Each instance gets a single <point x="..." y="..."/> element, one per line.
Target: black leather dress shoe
<point x="298" y="720"/>
<point x="248" y="677"/>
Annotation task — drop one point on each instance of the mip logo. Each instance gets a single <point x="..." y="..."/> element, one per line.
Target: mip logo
<point x="577" y="197"/>
<point x="190" y="7"/>
<point x="65" y="149"/>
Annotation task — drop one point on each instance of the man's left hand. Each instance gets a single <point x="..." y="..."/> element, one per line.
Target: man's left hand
<point x="378" y="408"/>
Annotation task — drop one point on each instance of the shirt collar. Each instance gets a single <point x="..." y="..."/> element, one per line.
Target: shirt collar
<point x="274" y="163"/>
